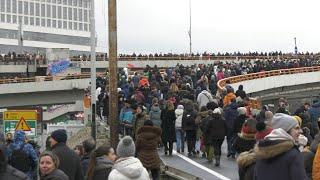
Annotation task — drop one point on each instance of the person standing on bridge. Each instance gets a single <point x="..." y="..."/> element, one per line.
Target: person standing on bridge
<point x="189" y="126"/>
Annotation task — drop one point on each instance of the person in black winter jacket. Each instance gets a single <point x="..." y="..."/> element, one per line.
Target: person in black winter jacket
<point x="101" y="163"/>
<point x="7" y="171"/>
<point x="88" y="146"/>
<point x="189" y="126"/>
<point x="48" y="167"/>
<point x="168" y="118"/>
<point x="240" y="92"/>
<point x="70" y="162"/>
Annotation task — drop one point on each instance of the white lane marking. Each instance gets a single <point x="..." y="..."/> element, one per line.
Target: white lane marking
<point x="218" y="175"/>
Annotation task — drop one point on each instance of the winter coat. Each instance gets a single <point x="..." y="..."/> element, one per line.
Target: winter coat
<point x="203" y="98"/>
<point x="148" y="138"/>
<point x="129" y="168"/>
<point x="13" y="174"/>
<point x="238" y="123"/>
<point x="126" y="115"/>
<point x="56" y="174"/>
<point x="179" y="114"/>
<point x="168" y="118"/>
<point x="316" y="165"/>
<point x="18" y="142"/>
<point x="155" y="116"/>
<point x="70" y="162"/>
<point x="85" y="160"/>
<point x="231" y="115"/>
<point x="215" y="129"/>
<point x="278" y="158"/>
<point x="227" y="99"/>
<point x="241" y="93"/>
<point x="199" y="121"/>
<point x="138" y="122"/>
<point x="246" y="162"/>
<point x="244" y="142"/>
<point x="314" y="112"/>
<point x="189" y="118"/>
<point x="102" y="169"/>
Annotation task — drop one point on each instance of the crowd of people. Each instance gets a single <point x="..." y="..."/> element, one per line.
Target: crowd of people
<point x="180" y="107"/>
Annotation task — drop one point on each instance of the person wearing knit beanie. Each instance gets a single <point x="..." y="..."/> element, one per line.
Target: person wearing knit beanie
<point x="126" y="147"/>
<point x="60" y="135"/>
<point x="180" y="107"/>
<point x="263" y="130"/>
<point x="283" y="121"/>
<point x="242" y="111"/>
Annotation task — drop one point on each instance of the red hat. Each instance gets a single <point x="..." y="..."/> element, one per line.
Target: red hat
<point x="248" y="130"/>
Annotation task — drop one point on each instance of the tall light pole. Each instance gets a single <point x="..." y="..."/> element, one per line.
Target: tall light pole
<point x="190" y="40"/>
<point x="93" y="71"/>
<point x="113" y="69"/>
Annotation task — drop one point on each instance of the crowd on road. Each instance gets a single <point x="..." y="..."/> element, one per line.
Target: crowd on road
<point x="182" y="106"/>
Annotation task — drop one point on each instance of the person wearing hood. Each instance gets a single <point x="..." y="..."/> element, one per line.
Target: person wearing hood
<point x="148" y="138"/>
<point x="27" y="164"/>
<point x="314" y="112"/>
<point x="229" y="97"/>
<point x="277" y="155"/>
<point x="179" y="132"/>
<point x="230" y="115"/>
<point x="70" y="162"/>
<point x="168" y="118"/>
<point x="138" y="120"/>
<point x="48" y="167"/>
<point x="127" y="167"/>
<point x="155" y="115"/>
<point x="240" y="92"/>
<point x="101" y="163"/>
<point x="204" y="97"/>
<point x="7" y="171"/>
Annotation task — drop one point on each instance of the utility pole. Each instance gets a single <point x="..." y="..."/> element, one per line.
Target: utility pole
<point x="295" y="46"/>
<point x="93" y="72"/>
<point x="113" y="70"/>
<point x="20" y="36"/>
<point x="190" y="40"/>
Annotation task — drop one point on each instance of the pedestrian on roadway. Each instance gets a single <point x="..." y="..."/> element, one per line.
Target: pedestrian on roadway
<point x="180" y="135"/>
<point x="88" y="146"/>
<point x="189" y="126"/>
<point x="70" y="162"/>
<point x="48" y="167"/>
<point x="168" y="118"/>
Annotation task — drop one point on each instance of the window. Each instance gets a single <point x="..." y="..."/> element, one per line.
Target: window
<point x="75" y="3"/>
<point x="59" y="24"/>
<point x="85" y="3"/>
<point x="75" y="26"/>
<point x="54" y="1"/>
<point x="48" y="10"/>
<point x="65" y="25"/>
<point x="65" y="13"/>
<point x="48" y="22"/>
<point x="75" y="14"/>
<point x="85" y="16"/>
<point x="80" y="26"/>
<point x="2" y="6"/>
<point x="80" y="3"/>
<point x="43" y="10"/>
<point x="37" y="9"/>
<point x="80" y="14"/>
<point x="32" y="8"/>
<point x="54" y="11"/>
<point x="20" y="7"/>
<point x="8" y="18"/>
<point x="85" y="27"/>
<point x="8" y="7"/>
<point x="70" y="13"/>
<point x="37" y="22"/>
<point x="3" y="18"/>
<point x="70" y="25"/>
<point x="32" y="21"/>
<point x="14" y="19"/>
<point x="26" y="8"/>
<point x="43" y="22"/>
<point x="59" y="12"/>
<point x="59" y="1"/>
<point x="70" y="2"/>
<point x="65" y="2"/>
<point x="26" y="20"/>
<point x="14" y="6"/>
<point x="49" y="1"/>
<point x="54" y="23"/>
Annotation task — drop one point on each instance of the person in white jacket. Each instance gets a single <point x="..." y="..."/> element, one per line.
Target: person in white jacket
<point x="203" y="98"/>
<point x="179" y="131"/>
<point x="127" y="167"/>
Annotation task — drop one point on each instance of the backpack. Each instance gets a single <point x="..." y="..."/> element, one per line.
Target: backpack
<point x="20" y="160"/>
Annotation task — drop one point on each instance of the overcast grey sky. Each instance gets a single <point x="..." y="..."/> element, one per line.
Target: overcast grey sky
<point x="150" y="26"/>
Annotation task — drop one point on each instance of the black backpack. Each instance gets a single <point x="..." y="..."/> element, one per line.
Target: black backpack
<point x="20" y="160"/>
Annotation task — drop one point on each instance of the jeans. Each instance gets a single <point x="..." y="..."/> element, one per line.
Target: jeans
<point x="180" y="140"/>
<point x="230" y="137"/>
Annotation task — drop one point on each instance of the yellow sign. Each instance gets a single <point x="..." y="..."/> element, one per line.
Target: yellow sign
<point x="17" y="115"/>
<point x="22" y="125"/>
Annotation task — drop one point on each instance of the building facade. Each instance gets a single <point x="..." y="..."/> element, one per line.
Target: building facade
<point x="45" y="24"/>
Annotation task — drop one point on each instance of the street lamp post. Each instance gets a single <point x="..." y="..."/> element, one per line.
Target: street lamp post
<point x="93" y="71"/>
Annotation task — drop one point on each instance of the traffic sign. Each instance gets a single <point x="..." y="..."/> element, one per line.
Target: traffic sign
<point x="17" y="115"/>
<point x="22" y="125"/>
